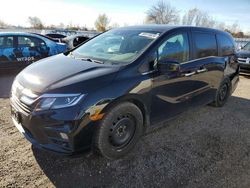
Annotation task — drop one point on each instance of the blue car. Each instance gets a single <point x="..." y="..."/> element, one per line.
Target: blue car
<point x="18" y="50"/>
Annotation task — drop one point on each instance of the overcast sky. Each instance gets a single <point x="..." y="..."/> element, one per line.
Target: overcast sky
<point x="129" y="12"/>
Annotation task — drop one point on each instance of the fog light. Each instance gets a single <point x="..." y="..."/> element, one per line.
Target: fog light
<point x="64" y="136"/>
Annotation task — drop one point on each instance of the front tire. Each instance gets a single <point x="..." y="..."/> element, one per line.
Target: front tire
<point x="119" y="131"/>
<point x="222" y="94"/>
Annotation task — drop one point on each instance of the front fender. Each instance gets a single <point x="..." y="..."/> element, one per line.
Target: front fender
<point x="136" y="90"/>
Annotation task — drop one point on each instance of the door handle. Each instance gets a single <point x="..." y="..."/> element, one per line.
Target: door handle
<point x="202" y="70"/>
<point x="189" y="74"/>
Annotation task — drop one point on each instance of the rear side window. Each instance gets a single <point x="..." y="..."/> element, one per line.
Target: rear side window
<point x="24" y="41"/>
<point x="226" y="45"/>
<point x="205" y="45"/>
<point x="6" y="42"/>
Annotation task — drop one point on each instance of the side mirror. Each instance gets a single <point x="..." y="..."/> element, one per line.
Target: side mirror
<point x="165" y="66"/>
<point x="240" y="48"/>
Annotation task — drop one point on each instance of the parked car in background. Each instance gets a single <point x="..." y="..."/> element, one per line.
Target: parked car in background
<point x="71" y="38"/>
<point x="74" y="40"/>
<point x="107" y="92"/>
<point x="243" y="56"/>
<point x="18" y="50"/>
<point x="59" y="32"/>
<point x="56" y="37"/>
<point x="58" y="40"/>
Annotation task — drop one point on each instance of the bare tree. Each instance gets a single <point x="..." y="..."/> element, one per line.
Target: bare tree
<point x="190" y="16"/>
<point x="220" y="25"/>
<point x="114" y="25"/>
<point x="35" y="22"/>
<point x="3" y="24"/>
<point x="239" y="34"/>
<point x="234" y="28"/>
<point x="61" y="25"/>
<point x="72" y="26"/>
<point x="163" y="13"/>
<point x="198" y="17"/>
<point x="102" y="22"/>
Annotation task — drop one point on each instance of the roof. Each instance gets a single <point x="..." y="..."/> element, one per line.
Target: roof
<point x="151" y="27"/>
<point x="27" y="34"/>
<point x="17" y="33"/>
<point x="158" y="27"/>
<point x="164" y="28"/>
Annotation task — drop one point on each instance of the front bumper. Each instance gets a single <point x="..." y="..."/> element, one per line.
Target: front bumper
<point x="63" y="131"/>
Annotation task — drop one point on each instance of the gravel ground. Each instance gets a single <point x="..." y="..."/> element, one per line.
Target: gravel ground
<point x="5" y="84"/>
<point x="205" y="147"/>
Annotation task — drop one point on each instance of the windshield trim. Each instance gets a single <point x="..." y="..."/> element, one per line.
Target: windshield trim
<point x="122" y="61"/>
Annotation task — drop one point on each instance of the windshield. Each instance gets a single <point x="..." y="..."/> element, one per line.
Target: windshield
<point x="116" y="46"/>
<point x="247" y="47"/>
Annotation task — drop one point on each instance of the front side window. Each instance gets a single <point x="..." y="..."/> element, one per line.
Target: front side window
<point x="175" y="48"/>
<point x="205" y="45"/>
<point x="116" y="46"/>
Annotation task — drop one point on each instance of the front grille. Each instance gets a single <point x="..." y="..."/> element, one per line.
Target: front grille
<point x="18" y="95"/>
<point x="23" y="107"/>
<point x="243" y="60"/>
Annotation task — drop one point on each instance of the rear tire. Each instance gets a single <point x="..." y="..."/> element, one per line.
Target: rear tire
<point x="119" y="131"/>
<point x="222" y="94"/>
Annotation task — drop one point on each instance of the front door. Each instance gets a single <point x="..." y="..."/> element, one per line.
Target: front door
<point x="172" y="92"/>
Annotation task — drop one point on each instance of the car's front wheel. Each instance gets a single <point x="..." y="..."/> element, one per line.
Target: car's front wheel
<point x="119" y="131"/>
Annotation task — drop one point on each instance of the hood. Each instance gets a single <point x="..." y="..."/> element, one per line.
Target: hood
<point x="243" y="54"/>
<point x="60" y="71"/>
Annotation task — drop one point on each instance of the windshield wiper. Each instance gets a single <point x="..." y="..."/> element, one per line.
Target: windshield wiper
<point x="71" y="55"/>
<point x="85" y="59"/>
<point x="90" y="60"/>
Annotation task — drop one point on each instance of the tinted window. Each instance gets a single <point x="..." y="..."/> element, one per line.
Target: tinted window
<point x="205" y="45"/>
<point x="6" y="42"/>
<point x="29" y="42"/>
<point x="226" y="45"/>
<point x="175" y="48"/>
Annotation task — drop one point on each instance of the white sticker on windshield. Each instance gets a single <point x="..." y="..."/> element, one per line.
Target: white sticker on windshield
<point x="149" y="35"/>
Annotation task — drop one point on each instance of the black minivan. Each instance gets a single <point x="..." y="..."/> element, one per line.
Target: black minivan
<point x="113" y="88"/>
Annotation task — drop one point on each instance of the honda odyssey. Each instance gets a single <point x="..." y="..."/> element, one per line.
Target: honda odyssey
<point x="113" y="88"/>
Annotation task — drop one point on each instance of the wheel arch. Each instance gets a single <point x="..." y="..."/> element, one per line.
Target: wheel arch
<point x="134" y="99"/>
<point x="228" y="78"/>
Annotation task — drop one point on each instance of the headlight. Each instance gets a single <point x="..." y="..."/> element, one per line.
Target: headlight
<point x="56" y="101"/>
